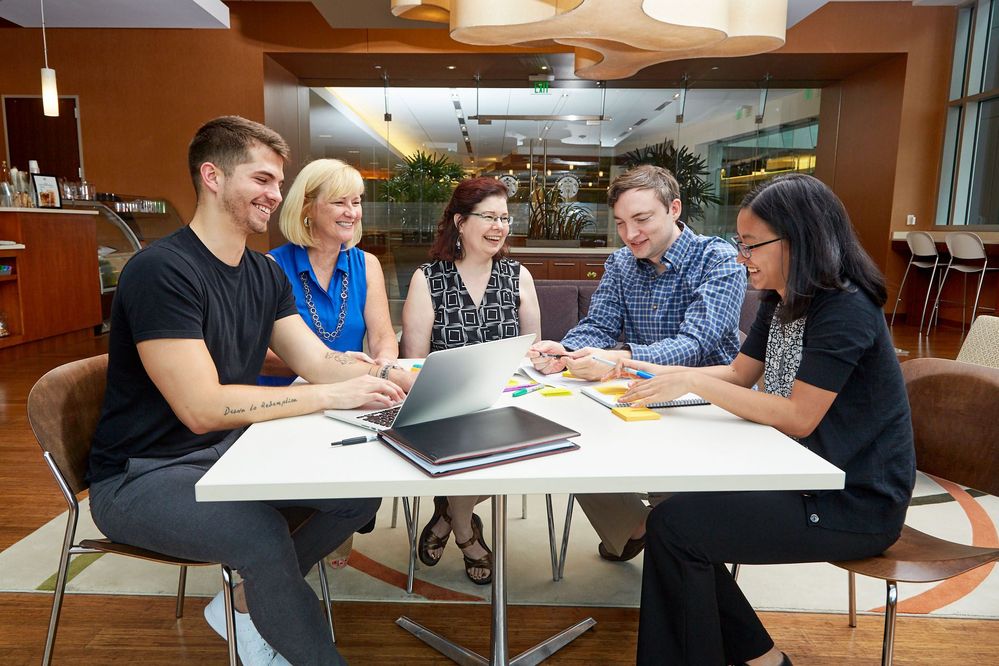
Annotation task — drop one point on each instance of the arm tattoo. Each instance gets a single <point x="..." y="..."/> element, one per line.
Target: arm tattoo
<point x="339" y="357"/>
<point x="264" y="404"/>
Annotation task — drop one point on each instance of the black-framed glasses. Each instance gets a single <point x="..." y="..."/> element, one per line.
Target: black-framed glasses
<point x="747" y="250"/>
<point x="505" y="220"/>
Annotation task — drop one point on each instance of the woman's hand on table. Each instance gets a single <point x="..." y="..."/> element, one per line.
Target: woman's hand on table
<point x="669" y="383"/>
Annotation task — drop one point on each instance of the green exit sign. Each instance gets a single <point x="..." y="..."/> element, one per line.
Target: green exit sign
<point x="541" y="87"/>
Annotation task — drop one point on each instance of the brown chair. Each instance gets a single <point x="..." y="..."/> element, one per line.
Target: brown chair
<point x="953" y="407"/>
<point x="63" y="409"/>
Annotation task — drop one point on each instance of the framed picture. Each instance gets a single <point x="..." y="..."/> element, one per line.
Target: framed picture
<point x="46" y="191"/>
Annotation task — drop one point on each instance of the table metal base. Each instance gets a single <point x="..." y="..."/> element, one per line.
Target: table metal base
<point x="499" y="647"/>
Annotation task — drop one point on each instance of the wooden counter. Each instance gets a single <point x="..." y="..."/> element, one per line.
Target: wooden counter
<point x="54" y="286"/>
<point x="563" y="263"/>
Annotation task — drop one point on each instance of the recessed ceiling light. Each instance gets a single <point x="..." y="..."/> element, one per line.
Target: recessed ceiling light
<point x="544" y="68"/>
<point x="714" y="68"/>
<point x="450" y="67"/>
<point x="676" y="95"/>
<point x="378" y="66"/>
<point x="325" y="136"/>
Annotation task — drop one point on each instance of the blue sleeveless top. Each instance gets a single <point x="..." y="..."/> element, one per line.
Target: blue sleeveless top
<point x="326" y="305"/>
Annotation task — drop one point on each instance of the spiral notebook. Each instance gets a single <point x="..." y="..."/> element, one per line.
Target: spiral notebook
<point x="607" y="395"/>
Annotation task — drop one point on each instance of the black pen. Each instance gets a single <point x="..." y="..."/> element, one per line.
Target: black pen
<point x="355" y="440"/>
<point x="547" y="355"/>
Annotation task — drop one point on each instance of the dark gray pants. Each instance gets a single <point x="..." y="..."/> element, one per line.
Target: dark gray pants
<point x="151" y="505"/>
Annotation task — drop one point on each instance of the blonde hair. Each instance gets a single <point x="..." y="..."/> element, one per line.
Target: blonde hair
<point x="329" y="178"/>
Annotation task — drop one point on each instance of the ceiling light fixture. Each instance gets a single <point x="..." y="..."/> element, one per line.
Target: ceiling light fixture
<point x="643" y="32"/>
<point x="450" y="67"/>
<point x="50" y="94"/>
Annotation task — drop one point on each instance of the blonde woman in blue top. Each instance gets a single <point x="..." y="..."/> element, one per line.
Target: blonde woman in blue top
<point x="339" y="288"/>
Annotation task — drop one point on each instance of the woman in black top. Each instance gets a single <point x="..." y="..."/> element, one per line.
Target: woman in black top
<point x="823" y="357"/>
<point x="469" y="293"/>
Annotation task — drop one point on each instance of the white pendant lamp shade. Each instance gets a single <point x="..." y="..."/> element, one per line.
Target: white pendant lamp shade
<point x="613" y="39"/>
<point x="50" y="94"/>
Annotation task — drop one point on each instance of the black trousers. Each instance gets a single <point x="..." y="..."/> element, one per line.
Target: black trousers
<point x="693" y="611"/>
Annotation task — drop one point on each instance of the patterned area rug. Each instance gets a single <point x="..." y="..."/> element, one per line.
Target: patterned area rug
<point x="377" y="567"/>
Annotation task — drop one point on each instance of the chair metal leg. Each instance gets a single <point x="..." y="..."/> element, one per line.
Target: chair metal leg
<point x="978" y="293"/>
<point x="395" y="511"/>
<point x="324" y="587"/>
<point x="523" y="507"/>
<point x="936" y="303"/>
<point x="852" y="597"/>
<point x="60" y="586"/>
<point x="929" y="291"/>
<point x="735" y="570"/>
<point x="181" y="589"/>
<point x="412" y="522"/>
<point x="901" y="287"/>
<point x="230" y="617"/>
<point x="551" y="537"/>
<point x="565" y="534"/>
<point x="888" y="646"/>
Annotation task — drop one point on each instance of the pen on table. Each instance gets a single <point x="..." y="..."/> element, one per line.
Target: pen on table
<point x="355" y="440"/>
<point x="530" y="389"/>
<point x="639" y="373"/>
<point x="547" y="355"/>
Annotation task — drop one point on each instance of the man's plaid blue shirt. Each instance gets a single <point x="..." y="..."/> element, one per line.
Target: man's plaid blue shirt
<point x="687" y="315"/>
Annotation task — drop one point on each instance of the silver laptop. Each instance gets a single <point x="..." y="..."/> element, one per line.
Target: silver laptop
<point x="451" y="382"/>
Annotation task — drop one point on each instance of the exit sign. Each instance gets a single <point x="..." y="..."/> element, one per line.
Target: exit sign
<point x="541" y="87"/>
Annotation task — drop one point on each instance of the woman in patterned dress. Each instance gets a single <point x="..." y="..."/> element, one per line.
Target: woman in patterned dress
<point x="830" y="379"/>
<point x="469" y="293"/>
<point x="339" y="288"/>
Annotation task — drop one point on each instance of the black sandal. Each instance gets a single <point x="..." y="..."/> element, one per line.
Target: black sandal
<point x="484" y="562"/>
<point x="430" y="541"/>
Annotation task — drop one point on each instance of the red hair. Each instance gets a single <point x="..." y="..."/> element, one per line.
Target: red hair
<point x="469" y="194"/>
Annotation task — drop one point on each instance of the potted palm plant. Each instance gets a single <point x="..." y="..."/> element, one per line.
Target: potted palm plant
<point x="690" y="170"/>
<point x="423" y="181"/>
<point x="554" y="221"/>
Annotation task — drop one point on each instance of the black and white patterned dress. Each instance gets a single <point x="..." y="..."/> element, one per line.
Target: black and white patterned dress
<point x="457" y="320"/>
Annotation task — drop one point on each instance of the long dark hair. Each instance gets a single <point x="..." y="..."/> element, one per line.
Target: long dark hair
<point x="824" y="250"/>
<point x="465" y="197"/>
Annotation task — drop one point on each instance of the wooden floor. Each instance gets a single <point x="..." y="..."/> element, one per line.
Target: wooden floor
<point x="127" y="630"/>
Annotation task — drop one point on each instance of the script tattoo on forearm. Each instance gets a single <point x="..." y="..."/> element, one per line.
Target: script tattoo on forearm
<point x="340" y="357"/>
<point x="264" y="404"/>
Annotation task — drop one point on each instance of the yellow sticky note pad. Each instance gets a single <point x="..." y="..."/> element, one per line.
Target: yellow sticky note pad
<point x="568" y="374"/>
<point x="612" y="389"/>
<point x="551" y="391"/>
<point x="636" y="414"/>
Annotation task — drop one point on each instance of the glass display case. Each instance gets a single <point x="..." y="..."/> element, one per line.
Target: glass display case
<point x="125" y="225"/>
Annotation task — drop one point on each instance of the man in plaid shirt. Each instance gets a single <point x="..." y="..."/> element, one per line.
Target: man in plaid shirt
<point x="675" y="295"/>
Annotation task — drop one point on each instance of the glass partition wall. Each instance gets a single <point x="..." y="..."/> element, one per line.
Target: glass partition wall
<point x="556" y="150"/>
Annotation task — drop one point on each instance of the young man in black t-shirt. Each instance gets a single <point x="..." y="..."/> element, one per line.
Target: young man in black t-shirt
<point x="192" y="319"/>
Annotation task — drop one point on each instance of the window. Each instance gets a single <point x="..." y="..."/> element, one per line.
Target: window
<point x="970" y="164"/>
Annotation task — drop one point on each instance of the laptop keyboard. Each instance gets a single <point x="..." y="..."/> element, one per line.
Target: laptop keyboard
<point x="383" y="418"/>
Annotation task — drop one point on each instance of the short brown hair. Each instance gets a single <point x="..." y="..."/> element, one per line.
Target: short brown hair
<point x="645" y="177"/>
<point x="226" y="141"/>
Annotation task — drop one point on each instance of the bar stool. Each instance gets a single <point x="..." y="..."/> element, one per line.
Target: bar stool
<point x="921" y="247"/>
<point x="967" y="255"/>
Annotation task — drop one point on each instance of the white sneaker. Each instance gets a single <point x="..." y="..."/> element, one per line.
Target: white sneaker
<point x="253" y="649"/>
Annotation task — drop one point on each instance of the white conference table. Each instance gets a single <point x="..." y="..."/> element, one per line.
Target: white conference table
<point x="689" y="449"/>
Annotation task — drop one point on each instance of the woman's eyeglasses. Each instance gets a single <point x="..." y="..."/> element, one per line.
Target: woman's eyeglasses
<point x="505" y="220"/>
<point x="747" y="250"/>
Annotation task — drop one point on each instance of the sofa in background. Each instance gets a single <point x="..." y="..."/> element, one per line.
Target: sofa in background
<point x="565" y="302"/>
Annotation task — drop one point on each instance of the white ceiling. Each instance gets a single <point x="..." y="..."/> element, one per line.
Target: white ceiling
<point x="117" y="13"/>
<point x="426" y="119"/>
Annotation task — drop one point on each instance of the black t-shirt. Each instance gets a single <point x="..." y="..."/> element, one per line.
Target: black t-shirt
<point x="177" y="288"/>
<point x="867" y="432"/>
